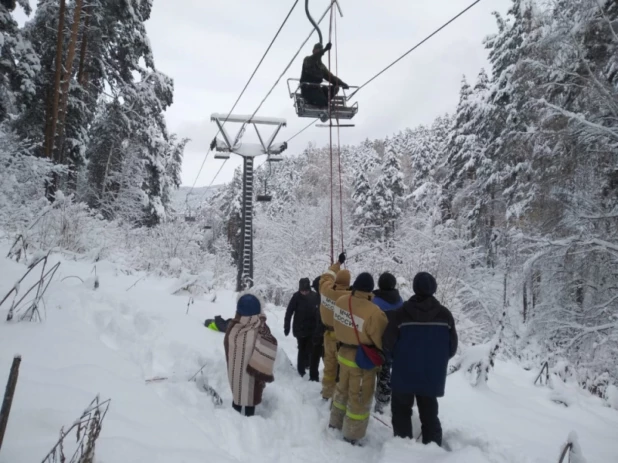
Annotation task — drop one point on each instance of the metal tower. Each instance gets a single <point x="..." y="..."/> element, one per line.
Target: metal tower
<point x="248" y="151"/>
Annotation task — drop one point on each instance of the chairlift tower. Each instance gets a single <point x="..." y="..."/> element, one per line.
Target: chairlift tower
<point x="248" y="151"/>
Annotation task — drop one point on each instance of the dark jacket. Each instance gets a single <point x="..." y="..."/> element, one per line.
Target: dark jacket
<point x="421" y="338"/>
<point x="387" y="299"/>
<point x="217" y="324"/>
<point x="314" y="71"/>
<point x="306" y="313"/>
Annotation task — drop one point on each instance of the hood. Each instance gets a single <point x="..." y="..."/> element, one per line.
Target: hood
<point x="389" y="295"/>
<point x="424" y="309"/>
<point x="343" y="278"/>
<point x="316" y="285"/>
<point x="304" y="284"/>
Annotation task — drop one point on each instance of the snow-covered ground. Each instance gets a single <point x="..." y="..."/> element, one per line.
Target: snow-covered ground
<point x="109" y="341"/>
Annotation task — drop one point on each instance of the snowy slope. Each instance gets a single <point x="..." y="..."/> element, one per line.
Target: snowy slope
<point x="110" y="340"/>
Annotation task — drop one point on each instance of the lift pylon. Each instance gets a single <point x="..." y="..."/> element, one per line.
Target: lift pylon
<point x="248" y="151"/>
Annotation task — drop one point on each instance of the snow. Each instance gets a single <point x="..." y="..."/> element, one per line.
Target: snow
<point x="612" y="396"/>
<point x="109" y="341"/>
<point x="246" y="118"/>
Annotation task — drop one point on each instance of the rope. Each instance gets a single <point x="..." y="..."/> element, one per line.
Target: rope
<point x="330" y="136"/>
<point x="330" y="8"/>
<point x="339" y="145"/>
<point x="243" y="91"/>
<point x="415" y="47"/>
<point x="276" y="83"/>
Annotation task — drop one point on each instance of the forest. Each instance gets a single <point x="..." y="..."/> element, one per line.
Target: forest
<point x="511" y="201"/>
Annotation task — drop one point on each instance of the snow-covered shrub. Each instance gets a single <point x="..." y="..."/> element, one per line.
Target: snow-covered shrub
<point x="563" y="371"/>
<point x="596" y="384"/>
<point x="22" y="182"/>
<point x="611" y="395"/>
<point x="65" y="225"/>
<point x="171" y="247"/>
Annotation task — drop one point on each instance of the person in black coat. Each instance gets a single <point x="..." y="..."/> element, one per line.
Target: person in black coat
<point x="420" y="338"/>
<point x="304" y="307"/>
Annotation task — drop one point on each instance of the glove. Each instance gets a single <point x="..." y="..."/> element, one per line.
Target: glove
<point x="344" y="86"/>
<point x="328" y="47"/>
<point x="342" y="258"/>
<point x="286" y="331"/>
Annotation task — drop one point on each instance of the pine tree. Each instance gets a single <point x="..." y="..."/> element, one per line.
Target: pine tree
<point x="364" y="213"/>
<point x="229" y="201"/>
<point x="19" y="64"/>
<point x="107" y="153"/>
<point x="388" y="195"/>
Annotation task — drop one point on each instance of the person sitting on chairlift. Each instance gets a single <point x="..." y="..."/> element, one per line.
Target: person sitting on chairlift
<point x="314" y="71"/>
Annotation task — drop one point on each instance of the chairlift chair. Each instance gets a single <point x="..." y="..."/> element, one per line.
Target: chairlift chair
<point x="265" y="197"/>
<point x="339" y="108"/>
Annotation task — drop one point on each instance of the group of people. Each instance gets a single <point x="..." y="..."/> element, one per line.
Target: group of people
<point x="372" y="343"/>
<point x="370" y="340"/>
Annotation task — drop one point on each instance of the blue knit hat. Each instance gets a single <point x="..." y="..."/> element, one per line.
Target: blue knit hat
<point x="248" y="305"/>
<point x="424" y="284"/>
<point x="363" y="282"/>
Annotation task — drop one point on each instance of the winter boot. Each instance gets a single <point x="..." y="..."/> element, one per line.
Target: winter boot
<point x="355" y="443"/>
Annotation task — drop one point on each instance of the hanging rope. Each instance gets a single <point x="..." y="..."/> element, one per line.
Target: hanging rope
<point x="330" y="134"/>
<point x="339" y="147"/>
<point x="330" y="8"/>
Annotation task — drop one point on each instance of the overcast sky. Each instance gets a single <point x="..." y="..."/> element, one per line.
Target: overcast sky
<point x="210" y="49"/>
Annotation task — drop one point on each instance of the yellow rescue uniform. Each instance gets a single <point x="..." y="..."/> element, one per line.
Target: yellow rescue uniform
<point x="334" y="284"/>
<point x="354" y="393"/>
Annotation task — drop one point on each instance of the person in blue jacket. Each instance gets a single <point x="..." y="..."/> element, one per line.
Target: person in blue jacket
<point x="387" y="298"/>
<point x="421" y="339"/>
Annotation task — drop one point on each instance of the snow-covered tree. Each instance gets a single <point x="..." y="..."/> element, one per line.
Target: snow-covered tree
<point x="387" y="196"/>
<point x="19" y="63"/>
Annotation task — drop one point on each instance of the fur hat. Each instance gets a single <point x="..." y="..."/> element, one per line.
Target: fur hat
<point x="424" y="284"/>
<point x="363" y="282"/>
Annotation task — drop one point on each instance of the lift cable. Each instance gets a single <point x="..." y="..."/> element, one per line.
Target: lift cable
<point x="333" y="2"/>
<point x="244" y="89"/>
<point x="330" y="8"/>
<point x="415" y="47"/>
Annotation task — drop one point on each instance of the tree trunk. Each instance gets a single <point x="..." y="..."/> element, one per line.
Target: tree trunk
<point x="81" y="76"/>
<point x="68" y="71"/>
<point x="52" y="118"/>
